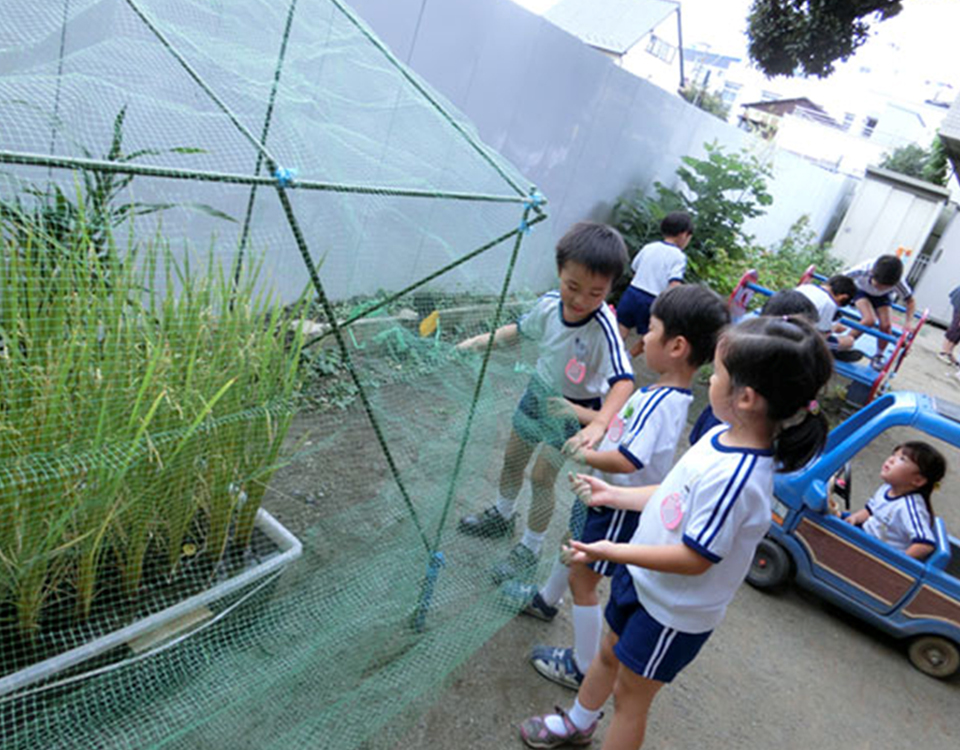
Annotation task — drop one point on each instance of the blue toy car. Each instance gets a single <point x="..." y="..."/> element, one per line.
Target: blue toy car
<point x="917" y="601"/>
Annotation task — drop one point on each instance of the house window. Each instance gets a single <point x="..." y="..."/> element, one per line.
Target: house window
<point x="730" y="91"/>
<point x="847" y="120"/>
<point x="769" y="96"/>
<point x="662" y="49"/>
<point x="869" y="123"/>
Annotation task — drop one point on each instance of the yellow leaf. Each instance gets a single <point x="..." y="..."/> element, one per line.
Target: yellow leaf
<point x="429" y="324"/>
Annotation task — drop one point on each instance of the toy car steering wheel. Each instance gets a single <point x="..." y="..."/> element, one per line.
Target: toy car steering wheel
<point x="841" y="483"/>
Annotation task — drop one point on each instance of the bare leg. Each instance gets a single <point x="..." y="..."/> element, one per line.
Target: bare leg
<point x="583" y="585"/>
<point x="515" y="461"/>
<point x="598" y="684"/>
<point x="543" y="478"/>
<point x="632" y="696"/>
<point x="884" y="316"/>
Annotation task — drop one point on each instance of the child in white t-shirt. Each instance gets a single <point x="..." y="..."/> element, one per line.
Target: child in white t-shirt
<point x="658" y="266"/>
<point x="699" y="528"/>
<point x="638" y="450"/>
<point x="581" y="358"/>
<point x="899" y="512"/>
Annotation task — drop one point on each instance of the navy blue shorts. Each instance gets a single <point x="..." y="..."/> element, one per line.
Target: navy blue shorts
<point x="593" y="524"/>
<point x="533" y="422"/>
<point x="646" y="647"/>
<point x="633" y="311"/>
<point x="877" y="300"/>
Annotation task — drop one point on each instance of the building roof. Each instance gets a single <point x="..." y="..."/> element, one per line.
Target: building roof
<point x="699" y="57"/>
<point x="800" y="106"/>
<point x="611" y="25"/>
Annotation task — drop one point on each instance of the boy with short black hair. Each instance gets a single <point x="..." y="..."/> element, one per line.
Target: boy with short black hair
<point x="876" y="280"/>
<point x="580" y="356"/>
<point x="637" y="450"/>
<point x="658" y="266"/>
<point x="828" y="298"/>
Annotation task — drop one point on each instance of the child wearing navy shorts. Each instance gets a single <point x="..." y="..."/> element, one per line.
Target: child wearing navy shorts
<point x="638" y="450"/>
<point x="580" y="357"/>
<point x="658" y="266"/>
<point x="876" y="280"/>
<point x="699" y="528"/>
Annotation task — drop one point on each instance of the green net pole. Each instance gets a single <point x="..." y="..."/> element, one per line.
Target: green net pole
<point x="199" y="81"/>
<point x="245" y="233"/>
<point x="345" y="353"/>
<point x="436" y="561"/>
<point x="101" y="165"/>
<point x="56" y="96"/>
<point x="426" y="94"/>
<point x="366" y="312"/>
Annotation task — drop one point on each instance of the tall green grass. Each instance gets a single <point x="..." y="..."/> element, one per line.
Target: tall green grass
<point x="142" y="412"/>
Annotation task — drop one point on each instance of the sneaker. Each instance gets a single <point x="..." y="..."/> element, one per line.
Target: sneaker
<point x="946" y="358"/>
<point x="878" y="361"/>
<point x="848" y="355"/>
<point x="521" y="564"/>
<point x="527" y="595"/>
<point x="535" y="732"/>
<point x="557" y="665"/>
<point x="488" y="523"/>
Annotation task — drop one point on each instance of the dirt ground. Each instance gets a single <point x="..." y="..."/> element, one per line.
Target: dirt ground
<point x="783" y="670"/>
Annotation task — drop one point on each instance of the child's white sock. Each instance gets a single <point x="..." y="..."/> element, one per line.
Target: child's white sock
<point x="533" y="540"/>
<point x="556" y="585"/>
<point x="581" y="717"/>
<point x="506" y="507"/>
<point x="587" y="627"/>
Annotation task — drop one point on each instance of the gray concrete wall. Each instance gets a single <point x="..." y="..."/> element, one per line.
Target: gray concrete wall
<point x="574" y="123"/>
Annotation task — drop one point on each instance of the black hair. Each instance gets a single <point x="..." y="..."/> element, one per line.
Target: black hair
<point x="787" y="362"/>
<point x="930" y="462"/>
<point x="676" y="223"/>
<point x="694" y="312"/>
<point x="597" y="247"/>
<point x="842" y="285"/>
<point x="791" y="302"/>
<point x="887" y="270"/>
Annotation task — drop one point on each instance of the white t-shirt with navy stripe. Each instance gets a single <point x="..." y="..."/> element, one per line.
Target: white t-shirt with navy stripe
<point x="715" y="500"/>
<point x="656" y="265"/>
<point x="824" y="302"/>
<point x="863" y="272"/>
<point x="899" y="520"/>
<point x="646" y="431"/>
<point x="580" y="360"/>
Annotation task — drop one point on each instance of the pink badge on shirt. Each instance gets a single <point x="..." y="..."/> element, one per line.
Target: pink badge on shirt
<point x="575" y="371"/>
<point x="671" y="510"/>
<point x="615" y="430"/>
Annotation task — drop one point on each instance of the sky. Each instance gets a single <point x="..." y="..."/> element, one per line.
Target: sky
<point x="921" y="42"/>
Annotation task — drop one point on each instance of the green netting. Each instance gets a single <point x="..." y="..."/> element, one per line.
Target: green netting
<point x="239" y="244"/>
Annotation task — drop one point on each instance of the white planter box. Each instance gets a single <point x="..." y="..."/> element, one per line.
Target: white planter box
<point x="289" y="549"/>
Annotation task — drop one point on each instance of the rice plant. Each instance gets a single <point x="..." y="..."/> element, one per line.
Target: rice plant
<point x="135" y="424"/>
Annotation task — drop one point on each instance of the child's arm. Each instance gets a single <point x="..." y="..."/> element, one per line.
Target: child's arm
<point x="667" y="558"/>
<point x="592" y="434"/>
<point x="558" y="405"/>
<point x="612" y="462"/>
<point x="594" y="492"/>
<point x="504" y="335"/>
<point x="920" y="550"/>
<point x="858" y="518"/>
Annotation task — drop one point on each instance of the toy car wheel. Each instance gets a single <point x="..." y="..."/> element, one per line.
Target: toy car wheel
<point x="770" y="567"/>
<point x="935" y="656"/>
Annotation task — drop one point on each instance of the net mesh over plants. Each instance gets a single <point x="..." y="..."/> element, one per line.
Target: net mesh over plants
<point x="240" y="241"/>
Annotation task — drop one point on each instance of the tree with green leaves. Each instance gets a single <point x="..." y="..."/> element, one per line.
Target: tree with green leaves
<point x="916" y="161"/>
<point x="708" y="101"/>
<point x="721" y="192"/>
<point x="806" y="37"/>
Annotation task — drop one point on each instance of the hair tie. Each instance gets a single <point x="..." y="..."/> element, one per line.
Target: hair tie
<point x="813" y="407"/>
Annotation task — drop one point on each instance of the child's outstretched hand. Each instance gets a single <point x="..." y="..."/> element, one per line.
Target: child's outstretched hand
<point x="579" y="552"/>
<point x="590" y="436"/>
<point x="590" y="490"/>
